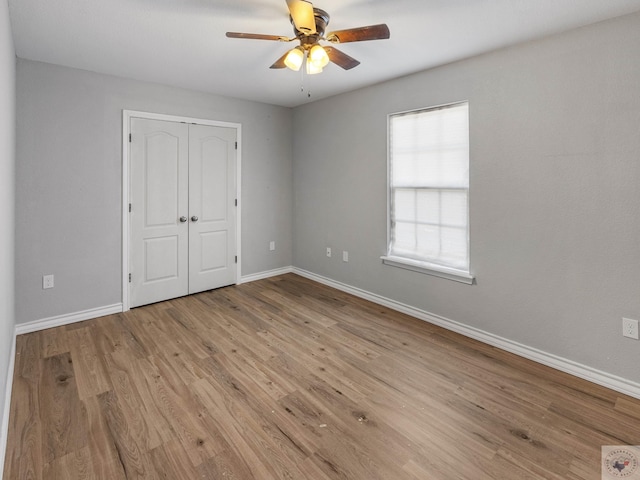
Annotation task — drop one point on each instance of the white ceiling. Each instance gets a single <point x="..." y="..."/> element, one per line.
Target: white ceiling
<point x="183" y="43"/>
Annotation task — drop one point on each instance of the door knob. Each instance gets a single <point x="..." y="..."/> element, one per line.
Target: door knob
<point x="194" y="219"/>
<point x="183" y="219"/>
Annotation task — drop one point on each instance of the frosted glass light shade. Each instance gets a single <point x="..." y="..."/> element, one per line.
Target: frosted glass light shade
<point x="294" y="59"/>
<point x="312" y="68"/>
<point x="318" y="56"/>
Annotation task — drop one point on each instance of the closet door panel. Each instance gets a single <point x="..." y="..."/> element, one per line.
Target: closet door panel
<point x="212" y="210"/>
<point x="159" y="241"/>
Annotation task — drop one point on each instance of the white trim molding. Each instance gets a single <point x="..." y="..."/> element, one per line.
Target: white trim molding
<point x="68" y="318"/>
<point x="266" y="274"/>
<point x="585" y="372"/>
<point x="429" y="269"/>
<point x="127" y="115"/>
<point x="4" y="429"/>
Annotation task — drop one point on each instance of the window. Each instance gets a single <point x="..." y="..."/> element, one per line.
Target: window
<point x="429" y="191"/>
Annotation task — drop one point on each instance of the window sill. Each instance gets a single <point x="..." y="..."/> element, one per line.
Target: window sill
<point x="429" y="269"/>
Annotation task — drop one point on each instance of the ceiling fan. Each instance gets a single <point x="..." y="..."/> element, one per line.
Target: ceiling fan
<point x="309" y="24"/>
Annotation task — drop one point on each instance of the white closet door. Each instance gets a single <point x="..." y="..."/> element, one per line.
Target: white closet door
<point x="212" y="211"/>
<point x="159" y="192"/>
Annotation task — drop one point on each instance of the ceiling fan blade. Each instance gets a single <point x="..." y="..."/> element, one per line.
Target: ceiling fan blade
<point x="303" y="17"/>
<point x="371" y="32"/>
<point x="258" y="36"/>
<point x="341" y="59"/>
<point x="280" y="62"/>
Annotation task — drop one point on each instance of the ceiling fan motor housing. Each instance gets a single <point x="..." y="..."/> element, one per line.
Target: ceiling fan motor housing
<point x="322" y="20"/>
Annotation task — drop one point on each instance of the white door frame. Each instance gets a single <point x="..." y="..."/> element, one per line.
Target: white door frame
<point x="127" y="115"/>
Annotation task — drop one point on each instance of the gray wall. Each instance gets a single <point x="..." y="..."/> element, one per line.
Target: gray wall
<point x="68" y="181"/>
<point x="7" y="198"/>
<point x="555" y="197"/>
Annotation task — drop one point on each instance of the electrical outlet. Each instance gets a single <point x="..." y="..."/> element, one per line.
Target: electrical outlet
<point x="630" y="328"/>
<point x="329" y="252"/>
<point x="47" y="281"/>
<point x="345" y="256"/>
<point x="272" y="245"/>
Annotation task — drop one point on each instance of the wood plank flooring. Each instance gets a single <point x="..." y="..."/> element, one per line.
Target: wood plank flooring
<point x="288" y="379"/>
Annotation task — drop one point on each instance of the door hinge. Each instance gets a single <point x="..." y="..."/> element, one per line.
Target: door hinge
<point x="129" y="278"/>
<point x="236" y="258"/>
<point x="129" y="138"/>
<point x="236" y="202"/>
<point x="236" y="145"/>
<point x="129" y="208"/>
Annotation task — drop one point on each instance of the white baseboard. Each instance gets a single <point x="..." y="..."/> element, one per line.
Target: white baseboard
<point x="60" y="320"/>
<point x="585" y="372"/>
<point x="262" y="275"/>
<point x="4" y="432"/>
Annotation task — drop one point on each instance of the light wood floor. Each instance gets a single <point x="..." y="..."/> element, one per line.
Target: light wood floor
<point x="287" y="379"/>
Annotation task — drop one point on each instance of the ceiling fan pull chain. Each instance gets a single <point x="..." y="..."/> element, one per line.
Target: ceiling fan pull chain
<point x="309" y="80"/>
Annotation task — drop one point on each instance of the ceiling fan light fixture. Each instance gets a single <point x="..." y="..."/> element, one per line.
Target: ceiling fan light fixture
<point x="318" y="56"/>
<point x="309" y="25"/>
<point x="294" y="59"/>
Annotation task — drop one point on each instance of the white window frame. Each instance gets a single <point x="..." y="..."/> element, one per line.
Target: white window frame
<point x="420" y="266"/>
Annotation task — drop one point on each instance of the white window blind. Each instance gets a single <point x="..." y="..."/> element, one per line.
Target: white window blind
<point x="429" y="186"/>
